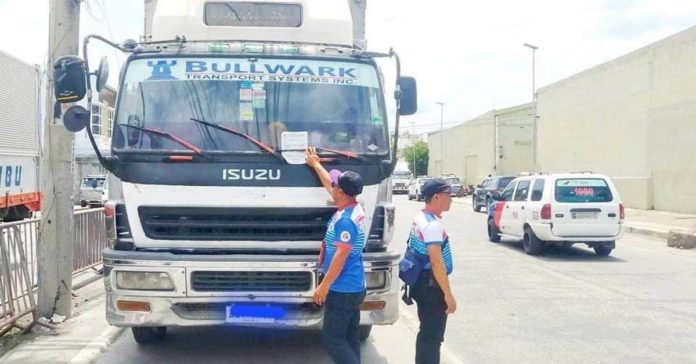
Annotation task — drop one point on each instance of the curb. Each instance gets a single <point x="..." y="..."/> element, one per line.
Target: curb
<point x="97" y="346"/>
<point x="653" y="233"/>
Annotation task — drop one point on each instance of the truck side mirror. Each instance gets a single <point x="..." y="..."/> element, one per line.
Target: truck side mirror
<point x="76" y="118"/>
<point x="69" y="79"/>
<point x="408" y="99"/>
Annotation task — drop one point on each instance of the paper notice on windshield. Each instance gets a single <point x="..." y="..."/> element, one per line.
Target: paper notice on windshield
<point x="294" y="144"/>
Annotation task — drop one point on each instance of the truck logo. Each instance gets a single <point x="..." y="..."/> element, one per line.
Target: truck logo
<point x="8" y="175"/>
<point x="162" y="70"/>
<point x="236" y="174"/>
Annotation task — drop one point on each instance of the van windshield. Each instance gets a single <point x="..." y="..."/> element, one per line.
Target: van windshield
<point x="579" y="190"/>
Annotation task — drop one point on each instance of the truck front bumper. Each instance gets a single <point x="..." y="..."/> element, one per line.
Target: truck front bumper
<point x="188" y="305"/>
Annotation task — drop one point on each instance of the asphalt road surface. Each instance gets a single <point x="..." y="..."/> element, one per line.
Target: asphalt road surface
<point x="567" y="306"/>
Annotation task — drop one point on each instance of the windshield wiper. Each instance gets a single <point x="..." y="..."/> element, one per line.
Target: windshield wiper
<point x="169" y="136"/>
<point x="256" y="142"/>
<point x="344" y="153"/>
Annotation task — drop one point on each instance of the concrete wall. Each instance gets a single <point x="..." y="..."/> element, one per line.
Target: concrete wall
<point x="634" y="119"/>
<point x="470" y="148"/>
<point x="515" y="134"/>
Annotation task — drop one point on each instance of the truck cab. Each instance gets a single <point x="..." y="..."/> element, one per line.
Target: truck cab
<point x="216" y="219"/>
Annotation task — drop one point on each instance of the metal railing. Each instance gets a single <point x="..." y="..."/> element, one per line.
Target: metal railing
<point x="90" y="239"/>
<point x="19" y="242"/>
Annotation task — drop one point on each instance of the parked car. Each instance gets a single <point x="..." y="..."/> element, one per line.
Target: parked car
<point x="94" y="190"/>
<point x="482" y="194"/>
<point x="454" y="182"/>
<point x="560" y="209"/>
<point x="415" y="187"/>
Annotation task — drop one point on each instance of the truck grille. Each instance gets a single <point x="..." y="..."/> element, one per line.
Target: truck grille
<point x="237" y="281"/>
<point x="270" y="224"/>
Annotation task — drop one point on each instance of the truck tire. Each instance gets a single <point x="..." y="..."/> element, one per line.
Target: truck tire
<point x="532" y="245"/>
<point x="493" y="233"/>
<point x="365" y="332"/>
<point x="602" y="251"/>
<point x="16" y="213"/>
<point x="474" y="205"/>
<point x="149" y="335"/>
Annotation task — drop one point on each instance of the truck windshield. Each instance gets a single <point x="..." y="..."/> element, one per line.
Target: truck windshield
<point x="338" y="104"/>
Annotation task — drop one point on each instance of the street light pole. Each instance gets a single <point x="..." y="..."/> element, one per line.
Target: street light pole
<point x="442" y="140"/>
<point x="534" y="105"/>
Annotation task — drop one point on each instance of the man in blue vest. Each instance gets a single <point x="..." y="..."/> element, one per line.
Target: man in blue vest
<point x="342" y="289"/>
<point x="432" y="291"/>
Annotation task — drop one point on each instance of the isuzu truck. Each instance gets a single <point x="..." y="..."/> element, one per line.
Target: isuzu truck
<point x="216" y="218"/>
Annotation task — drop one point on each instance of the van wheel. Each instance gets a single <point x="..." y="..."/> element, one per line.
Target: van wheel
<point x="149" y="335"/>
<point x="602" y="251"/>
<point x="493" y="233"/>
<point x="532" y="245"/>
<point x="365" y="332"/>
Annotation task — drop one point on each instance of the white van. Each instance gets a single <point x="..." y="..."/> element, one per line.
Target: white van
<point x="561" y="209"/>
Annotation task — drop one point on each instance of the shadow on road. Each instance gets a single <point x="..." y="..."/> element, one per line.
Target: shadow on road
<point x="227" y="344"/>
<point x="562" y="253"/>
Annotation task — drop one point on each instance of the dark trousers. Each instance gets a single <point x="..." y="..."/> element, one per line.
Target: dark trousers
<point x="341" y="332"/>
<point x="433" y="319"/>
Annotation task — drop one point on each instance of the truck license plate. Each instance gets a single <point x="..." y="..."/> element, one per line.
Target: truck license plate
<point x="585" y="215"/>
<point x="254" y="314"/>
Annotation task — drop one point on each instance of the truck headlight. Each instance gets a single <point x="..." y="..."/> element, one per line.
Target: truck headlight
<point x="144" y="281"/>
<point x="376" y="280"/>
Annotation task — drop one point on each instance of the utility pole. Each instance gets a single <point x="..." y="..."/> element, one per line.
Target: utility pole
<point x="442" y="140"/>
<point x="55" y="251"/>
<point x="413" y="147"/>
<point x="534" y="106"/>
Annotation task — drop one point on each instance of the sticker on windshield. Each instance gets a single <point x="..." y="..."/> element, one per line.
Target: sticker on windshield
<point x="246" y="112"/>
<point x="245" y="94"/>
<point x="294" y="144"/>
<point x="252" y="73"/>
<point x="372" y="147"/>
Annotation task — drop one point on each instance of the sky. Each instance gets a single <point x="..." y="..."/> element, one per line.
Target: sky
<point x="467" y="54"/>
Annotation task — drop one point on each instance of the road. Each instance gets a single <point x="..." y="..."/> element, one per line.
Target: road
<point x="566" y="306"/>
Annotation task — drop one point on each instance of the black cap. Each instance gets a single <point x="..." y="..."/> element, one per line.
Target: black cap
<point x="433" y="186"/>
<point x="350" y="182"/>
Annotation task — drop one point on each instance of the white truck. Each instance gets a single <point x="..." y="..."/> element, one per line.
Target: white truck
<point x="216" y="219"/>
<point x="401" y="178"/>
<point x="19" y="139"/>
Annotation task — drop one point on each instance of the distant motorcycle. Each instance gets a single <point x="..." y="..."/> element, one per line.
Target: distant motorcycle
<point x="465" y="191"/>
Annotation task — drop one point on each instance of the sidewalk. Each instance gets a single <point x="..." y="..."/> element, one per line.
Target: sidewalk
<point x="77" y="340"/>
<point x="86" y="336"/>
<point x="652" y="223"/>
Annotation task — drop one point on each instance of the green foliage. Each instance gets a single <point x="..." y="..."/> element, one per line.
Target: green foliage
<point x="420" y="150"/>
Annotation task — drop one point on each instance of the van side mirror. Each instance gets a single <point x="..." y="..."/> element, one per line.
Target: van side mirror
<point x="408" y="99"/>
<point x="76" y="118"/>
<point x="69" y="79"/>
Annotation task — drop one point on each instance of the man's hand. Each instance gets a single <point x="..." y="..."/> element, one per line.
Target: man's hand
<point x="320" y="294"/>
<point x="451" y="304"/>
<point x="312" y="158"/>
